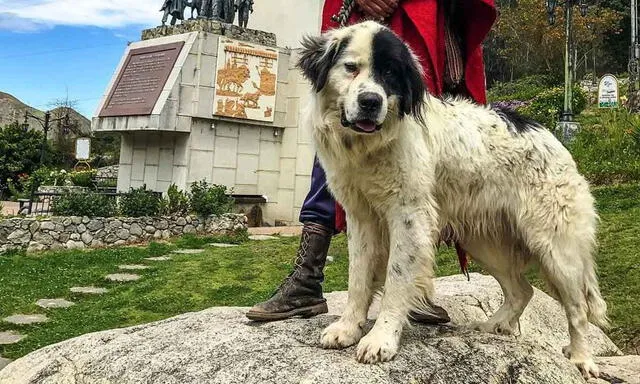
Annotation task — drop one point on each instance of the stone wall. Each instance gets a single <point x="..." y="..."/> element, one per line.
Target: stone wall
<point x="83" y="232"/>
<point x="200" y="25"/>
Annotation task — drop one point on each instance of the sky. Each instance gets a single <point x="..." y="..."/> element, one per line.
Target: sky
<point x="53" y="48"/>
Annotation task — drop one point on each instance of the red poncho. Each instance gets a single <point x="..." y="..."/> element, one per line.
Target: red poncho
<point x="420" y="23"/>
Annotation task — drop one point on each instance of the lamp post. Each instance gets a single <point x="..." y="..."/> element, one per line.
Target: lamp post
<point x="634" y="60"/>
<point x="566" y="126"/>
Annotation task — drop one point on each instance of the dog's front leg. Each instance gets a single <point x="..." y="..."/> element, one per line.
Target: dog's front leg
<point x="366" y="254"/>
<point x="409" y="277"/>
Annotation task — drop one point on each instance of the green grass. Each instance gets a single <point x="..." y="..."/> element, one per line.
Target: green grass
<point x="249" y="273"/>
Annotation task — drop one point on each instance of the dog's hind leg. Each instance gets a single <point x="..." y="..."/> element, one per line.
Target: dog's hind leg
<point x="368" y="252"/>
<point x="507" y="264"/>
<point x="572" y="276"/>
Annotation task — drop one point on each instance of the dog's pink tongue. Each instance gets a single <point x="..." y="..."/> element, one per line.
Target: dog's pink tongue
<point x="366" y="125"/>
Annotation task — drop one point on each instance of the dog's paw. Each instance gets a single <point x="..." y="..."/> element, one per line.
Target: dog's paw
<point x="583" y="362"/>
<point x="378" y="347"/>
<point x="502" y="329"/>
<point x="340" y="334"/>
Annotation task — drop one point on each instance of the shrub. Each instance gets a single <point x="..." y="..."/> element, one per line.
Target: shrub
<point x="84" y="204"/>
<point x="547" y="106"/>
<point x="607" y="149"/>
<point x="525" y="88"/>
<point x="83" y="178"/>
<point x="210" y="199"/>
<point x="176" y="202"/>
<point x="20" y="151"/>
<point x="140" y="202"/>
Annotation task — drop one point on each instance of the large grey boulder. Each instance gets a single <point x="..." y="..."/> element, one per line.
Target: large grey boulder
<point x="220" y="345"/>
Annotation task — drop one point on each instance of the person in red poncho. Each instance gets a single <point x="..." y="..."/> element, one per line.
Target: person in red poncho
<point x="447" y="36"/>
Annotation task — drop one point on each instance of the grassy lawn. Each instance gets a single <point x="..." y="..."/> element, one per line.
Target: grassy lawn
<point x="249" y="273"/>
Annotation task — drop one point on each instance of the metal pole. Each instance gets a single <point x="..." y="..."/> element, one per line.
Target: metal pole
<point x="634" y="56"/>
<point x="567" y="113"/>
<point x="43" y="146"/>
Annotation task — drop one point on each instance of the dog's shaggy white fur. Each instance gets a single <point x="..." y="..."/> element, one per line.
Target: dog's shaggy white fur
<point x="405" y="165"/>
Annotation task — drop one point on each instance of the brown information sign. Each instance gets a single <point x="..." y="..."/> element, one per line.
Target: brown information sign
<point x="141" y="80"/>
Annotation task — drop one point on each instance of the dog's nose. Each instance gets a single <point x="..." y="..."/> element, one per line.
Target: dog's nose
<point x="369" y="101"/>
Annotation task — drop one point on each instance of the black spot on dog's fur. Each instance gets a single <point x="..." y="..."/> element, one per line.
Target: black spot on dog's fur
<point x="520" y="123"/>
<point x="412" y="258"/>
<point x="317" y="58"/>
<point x="396" y="70"/>
<point x="397" y="270"/>
<point x="347" y="142"/>
<point x="408" y="223"/>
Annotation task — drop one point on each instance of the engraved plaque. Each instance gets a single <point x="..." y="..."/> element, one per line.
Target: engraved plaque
<point x="141" y="80"/>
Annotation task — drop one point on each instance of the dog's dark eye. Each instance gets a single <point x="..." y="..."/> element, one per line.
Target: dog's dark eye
<point x="351" y="67"/>
<point x="388" y="73"/>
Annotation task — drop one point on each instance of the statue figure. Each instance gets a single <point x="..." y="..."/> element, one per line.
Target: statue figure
<point x="175" y="8"/>
<point x="228" y="11"/>
<point x="244" y="7"/>
<point x="211" y="9"/>
<point x="196" y="6"/>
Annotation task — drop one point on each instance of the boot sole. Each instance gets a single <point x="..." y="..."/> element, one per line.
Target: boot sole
<point x="304" y="312"/>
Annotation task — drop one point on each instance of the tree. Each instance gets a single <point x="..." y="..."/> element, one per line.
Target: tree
<point x="529" y="45"/>
<point x="19" y="151"/>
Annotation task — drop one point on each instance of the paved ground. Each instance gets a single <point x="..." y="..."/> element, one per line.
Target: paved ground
<point x="10" y="208"/>
<point x="282" y="231"/>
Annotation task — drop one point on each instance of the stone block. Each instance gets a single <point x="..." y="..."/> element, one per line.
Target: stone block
<point x="268" y="185"/>
<point x="189" y="70"/>
<point x="226" y="150"/>
<point x="249" y="140"/>
<point x="124" y="177"/>
<point x="187" y="100"/>
<point x="302" y="189"/>
<point x="153" y="150"/>
<point x="227" y="129"/>
<point x="205" y="105"/>
<point x="151" y="176"/>
<point x="165" y="166"/>
<point x="137" y="168"/>
<point x="247" y="170"/>
<point x="293" y="112"/>
<point x="224" y="176"/>
<point x="181" y="149"/>
<point x="287" y="178"/>
<point x="201" y="165"/>
<point x="203" y="137"/>
<point x="304" y="160"/>
<point x="207" y="72"/>
<point x="269" y="156"/>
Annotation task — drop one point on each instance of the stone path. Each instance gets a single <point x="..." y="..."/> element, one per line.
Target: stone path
<point x="222" y="245"/>
<point x="282" y="231"/>
<point x="10" y="337"/>
<point x="54" y="303"/>
<point x="26" y="319"/>
<point x="262" y="237"/>
<point x="159" y="258"/>
<point x="133" y="267"/>
<point x="122" y="277"/>
<point x="4" y="362"/>
<point x="89" y="290"/>
<point x="188" y="251"/>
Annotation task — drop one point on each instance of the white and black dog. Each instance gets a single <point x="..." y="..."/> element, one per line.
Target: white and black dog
<point x="405" y="164"/>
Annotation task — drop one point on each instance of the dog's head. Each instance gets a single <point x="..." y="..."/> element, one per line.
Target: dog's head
<point x="367" y="73"/>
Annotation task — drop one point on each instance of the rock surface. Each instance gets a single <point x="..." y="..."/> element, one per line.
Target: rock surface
<point x="220" y="345"/>
<point x="26" y="319"/>
<point x="10" y="337"/>
<point x="89" y="290"/>
<point x="122" y="277"/>
<point x="4" y="362"/>
<point x="54" y="303"/>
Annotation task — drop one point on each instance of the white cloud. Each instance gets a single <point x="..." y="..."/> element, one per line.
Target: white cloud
<point x="35" y="14"/>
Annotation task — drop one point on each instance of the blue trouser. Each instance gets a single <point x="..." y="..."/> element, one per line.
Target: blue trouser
<point x="319" y="206"/>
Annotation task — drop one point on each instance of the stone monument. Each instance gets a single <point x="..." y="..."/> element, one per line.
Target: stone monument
<point x="244" y="7"/>
<point x="209" y="100"/>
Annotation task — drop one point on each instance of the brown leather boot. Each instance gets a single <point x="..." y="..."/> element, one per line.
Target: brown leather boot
<point x="300" y="294"/>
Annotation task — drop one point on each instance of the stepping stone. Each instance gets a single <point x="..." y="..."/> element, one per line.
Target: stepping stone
<point x="222" y="245"/>
<point x="262" y="237"/>
<point x="26" y="319"/>
<point x="134" y="267"/>
<point x="122" y="277"/>
<point x="89" y="290"/>
<point x="159" y="258"/>
<point x="54" y="303"/>
<point x="10" y="337"/>
<point x="188" y="251"/>
<point x="4" y="362"/>
<point x="288" y="235"/>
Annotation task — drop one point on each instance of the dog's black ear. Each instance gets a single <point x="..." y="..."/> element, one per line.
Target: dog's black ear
<point x="412" y="102"/>
<point x="317" y="57"/>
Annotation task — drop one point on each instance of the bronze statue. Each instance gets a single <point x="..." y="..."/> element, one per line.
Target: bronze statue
<point x="244" y="7"/>
<point x="196" y="6"/>
<point x="228" y="11"/>
<point x="175" y="8"/>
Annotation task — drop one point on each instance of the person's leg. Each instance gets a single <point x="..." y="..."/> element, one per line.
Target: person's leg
<point x="300" y="294"/>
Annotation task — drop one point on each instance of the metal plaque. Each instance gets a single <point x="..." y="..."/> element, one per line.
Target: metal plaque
<point x="141" y="80"/>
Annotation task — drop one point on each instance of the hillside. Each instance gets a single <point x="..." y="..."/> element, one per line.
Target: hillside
<point x="12" y="110"/>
